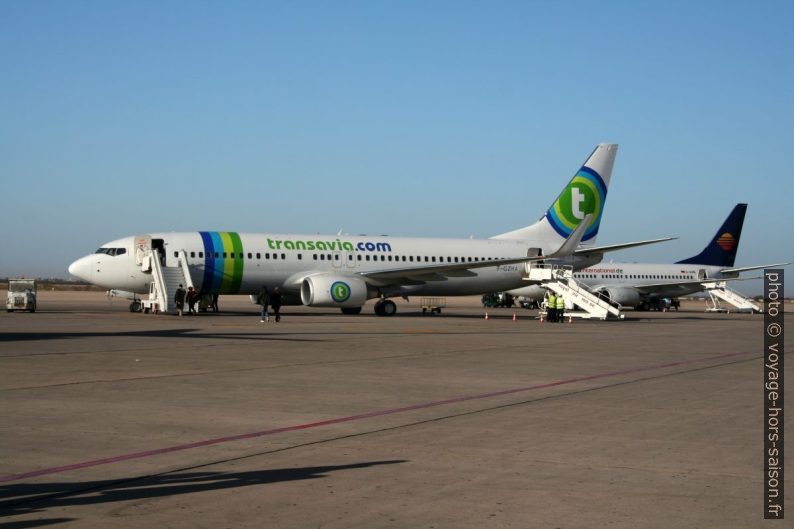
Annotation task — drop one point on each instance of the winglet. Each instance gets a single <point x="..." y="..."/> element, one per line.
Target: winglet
<point x="570" y="244"/>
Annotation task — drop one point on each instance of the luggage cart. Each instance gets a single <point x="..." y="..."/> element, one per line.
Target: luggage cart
<point x="433" y="305"/>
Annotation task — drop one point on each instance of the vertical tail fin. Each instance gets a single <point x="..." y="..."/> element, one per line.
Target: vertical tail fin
<point x="584" y="194"/>
<point x="721" y="251"/>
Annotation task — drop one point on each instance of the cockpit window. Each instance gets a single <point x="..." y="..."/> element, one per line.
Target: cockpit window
<point x="112" y="251"/>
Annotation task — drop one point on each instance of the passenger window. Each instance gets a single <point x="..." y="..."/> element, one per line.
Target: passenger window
<point x="216" y="255"/>
<point x="300" y="256"/>
<point x="314" y="256"/>
<point x="176" y="254"/>
<point x="258" y="255"/>
<point x="382" y="257"/>
<point x="250" y="255"/>
<point x="283" y="256"/>
<point x="192" y="254"/>
<point x="367" y="257"/>
<point x="322" y="257"/>
<point x="359" y="257"/>
<point x="224" y="255"/>
<point x="201" y="255"/>
<point x="434" y="258"/>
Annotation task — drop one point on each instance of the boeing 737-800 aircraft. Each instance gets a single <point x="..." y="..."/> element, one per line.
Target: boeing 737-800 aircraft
<point x="639" y="284"/>
<point x="346" y="271"/>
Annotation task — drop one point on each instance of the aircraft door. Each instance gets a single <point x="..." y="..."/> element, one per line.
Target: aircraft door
<point x="337" y="259"/>
<point x="702" y="274"/>
<point x="350" y="259"/>
<point x="143" y="243"/>
<point x="159" y="245"/>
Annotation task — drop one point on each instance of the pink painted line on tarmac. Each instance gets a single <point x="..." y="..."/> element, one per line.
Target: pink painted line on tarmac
<point x="339" y="420"/>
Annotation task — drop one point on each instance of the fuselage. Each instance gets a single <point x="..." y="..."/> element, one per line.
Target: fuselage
<point x="641" y="274"/>
<point x="232" y="263"/>
<point x="638" y="275"/>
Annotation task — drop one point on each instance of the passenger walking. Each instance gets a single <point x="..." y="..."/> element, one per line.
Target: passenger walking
<point x="275" y="303"/>
<point x="264" y="300"/>
<point x="560" y="312"/>
<point x="179" y="299"/>
<point x="551" y="307"/>
<point x="192" y="298"/>
<point x="214" y="302"/>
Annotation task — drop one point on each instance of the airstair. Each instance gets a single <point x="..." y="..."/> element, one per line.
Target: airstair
<point x="559" y="279"/>
<point x="165" y="280"/>
<point x="718" y="290"/>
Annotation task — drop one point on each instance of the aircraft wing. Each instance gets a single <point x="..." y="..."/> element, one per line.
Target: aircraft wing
<point x="623" y="246"/>
<point x="441" y="271"/>
<point x="748" y="268"/>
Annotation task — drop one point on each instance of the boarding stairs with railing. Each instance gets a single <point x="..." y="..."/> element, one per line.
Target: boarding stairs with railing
<point x="165" y="281"/>
<point x="560" y="280"/>
<point x="718" y="290"/>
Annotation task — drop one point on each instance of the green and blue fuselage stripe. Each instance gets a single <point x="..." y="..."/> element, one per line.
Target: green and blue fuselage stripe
<point x="222" y="274"/>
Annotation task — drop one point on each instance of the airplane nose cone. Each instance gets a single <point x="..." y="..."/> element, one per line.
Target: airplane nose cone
<point x="81" y="268"/>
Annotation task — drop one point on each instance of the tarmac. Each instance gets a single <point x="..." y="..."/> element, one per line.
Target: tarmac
<point x="115" y="419"/>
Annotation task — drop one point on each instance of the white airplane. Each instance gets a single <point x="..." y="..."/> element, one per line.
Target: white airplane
<point x="346" y="271"/>
<point x="640" y="284"/>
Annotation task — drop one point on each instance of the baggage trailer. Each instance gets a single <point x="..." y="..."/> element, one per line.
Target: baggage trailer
<point x="432" y="305"/>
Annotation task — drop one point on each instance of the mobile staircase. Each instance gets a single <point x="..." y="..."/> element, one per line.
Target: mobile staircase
<point x="559" y="279"/>
<point x="718" y="290"/>
<point x="165" y="281"/>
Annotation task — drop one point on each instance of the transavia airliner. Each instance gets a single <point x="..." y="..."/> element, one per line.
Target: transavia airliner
<point x="346" y="271"/>
<point x="640" y="284"/>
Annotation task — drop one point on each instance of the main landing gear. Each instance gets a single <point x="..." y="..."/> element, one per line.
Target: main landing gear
<point x="385" y="307"/>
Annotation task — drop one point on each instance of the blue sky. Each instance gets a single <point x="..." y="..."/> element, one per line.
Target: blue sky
<point x="408" y="118"/>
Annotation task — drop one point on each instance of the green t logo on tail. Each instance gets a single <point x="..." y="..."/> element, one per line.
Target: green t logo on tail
<point x="584" y="194"/>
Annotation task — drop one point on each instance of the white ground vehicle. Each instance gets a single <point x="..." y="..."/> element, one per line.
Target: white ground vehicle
<point x="21" y="295"/>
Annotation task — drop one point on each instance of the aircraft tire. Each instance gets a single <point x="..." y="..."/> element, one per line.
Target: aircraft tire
<point x="388" y="308"/>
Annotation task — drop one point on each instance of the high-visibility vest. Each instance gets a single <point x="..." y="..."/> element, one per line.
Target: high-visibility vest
<point x="552" y="304"/>
<point x="560" y="303"/>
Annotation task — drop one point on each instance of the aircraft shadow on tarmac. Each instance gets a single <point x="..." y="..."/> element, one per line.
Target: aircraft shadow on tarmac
<point x="154" y="333"/>
<point x="25" y="498"/>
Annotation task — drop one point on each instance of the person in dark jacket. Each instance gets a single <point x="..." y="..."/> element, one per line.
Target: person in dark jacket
<point x="179" y="299"/>
<point x="264" y="300"/>
<point x="192" y="298"/>
<point x="275" y="303"/>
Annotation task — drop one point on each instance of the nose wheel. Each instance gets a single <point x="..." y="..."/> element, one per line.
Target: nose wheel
<point x="385" y="307"/>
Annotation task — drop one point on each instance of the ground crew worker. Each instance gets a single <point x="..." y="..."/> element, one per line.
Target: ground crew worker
<point x="560" y="312"/>
<point x="551" y="307"/>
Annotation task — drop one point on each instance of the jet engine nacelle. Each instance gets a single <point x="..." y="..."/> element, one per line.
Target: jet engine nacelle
<point x="628" y="297"/>
<point x="328" y="290"/>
